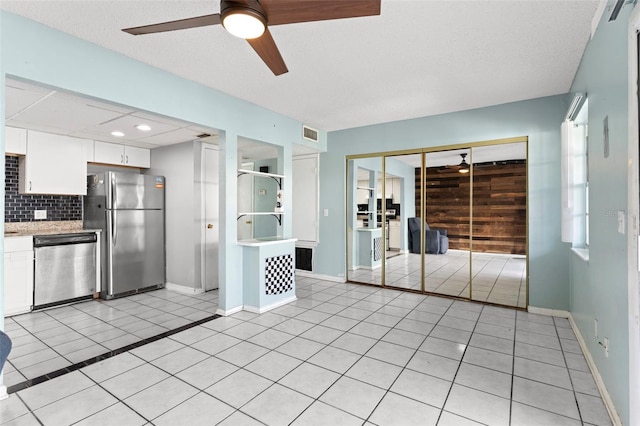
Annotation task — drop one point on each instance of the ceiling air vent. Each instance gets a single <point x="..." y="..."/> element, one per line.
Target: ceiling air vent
<point x="203" y="135"/>
<point x="309" y="134"/>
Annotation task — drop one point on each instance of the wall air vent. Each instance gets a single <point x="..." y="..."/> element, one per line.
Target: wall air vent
<point x="309" y="134"/>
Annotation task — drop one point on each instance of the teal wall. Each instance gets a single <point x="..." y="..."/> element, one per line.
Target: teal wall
<point x="599" y="287"/>
<point x="539" y="119"/>
<point x="34" y="52"/>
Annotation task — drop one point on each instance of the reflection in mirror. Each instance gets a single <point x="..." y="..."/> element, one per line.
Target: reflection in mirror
<point x="402" y="268"/>
<point x="446" y="224"/>
<point x="257" y="193"/>
<point x="364" y="224"/>
<point x="500" y="224"/>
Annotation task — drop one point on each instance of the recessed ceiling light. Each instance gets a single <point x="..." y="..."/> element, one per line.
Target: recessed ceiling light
<point x="143" y="127"/>
<point x="117" y="134"/>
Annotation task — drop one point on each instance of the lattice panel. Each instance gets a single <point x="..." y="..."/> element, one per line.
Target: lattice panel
<point x="279" y="274"/>
<point x="377" y="249"/>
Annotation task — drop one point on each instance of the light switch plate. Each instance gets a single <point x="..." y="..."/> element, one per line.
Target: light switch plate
<point x="621" y="215"/>
<point x="39" y="214"/>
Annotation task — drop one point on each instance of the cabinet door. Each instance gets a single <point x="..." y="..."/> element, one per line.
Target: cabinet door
<point x="54" y="164"/>
<point x="18" y="282"/>
<point x="15" y="141"/>
<point x="137" y="157"/>
<point x="108" y="153"/>
<point x="397" y="191"/>
<point x="388" y="189"/>
<point x="394" y="236"/>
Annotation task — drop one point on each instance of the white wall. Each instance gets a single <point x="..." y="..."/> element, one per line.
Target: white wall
<point x="178" y="164"/>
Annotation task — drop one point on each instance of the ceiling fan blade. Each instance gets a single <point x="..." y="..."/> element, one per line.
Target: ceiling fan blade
<point x="181" y="24"/>
<point x="291" y="11"/>
<point x="266" y="48"/>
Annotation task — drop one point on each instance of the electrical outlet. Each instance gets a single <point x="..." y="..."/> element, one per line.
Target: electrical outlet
<point x="595" y="326"/>
<point x="39" y="214"/>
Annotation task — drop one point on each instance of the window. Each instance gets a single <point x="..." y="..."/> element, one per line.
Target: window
<point x="575" y="175"/>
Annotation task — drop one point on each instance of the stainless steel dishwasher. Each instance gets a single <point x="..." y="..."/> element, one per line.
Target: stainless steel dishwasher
<point x="65" y="268"/>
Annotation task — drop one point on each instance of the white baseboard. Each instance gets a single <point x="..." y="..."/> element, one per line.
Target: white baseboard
<point x="606" y="398"/>
<point x="331" y="278"/>
<point x="183" y="289"/>
<point x="548" y="312"/>
<point x="226" y="313"/>
<point x="264" y="309"/>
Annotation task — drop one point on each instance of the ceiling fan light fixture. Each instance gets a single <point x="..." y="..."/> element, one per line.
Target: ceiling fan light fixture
<point x="244" y="21"/>
<point x="464" y="166"/>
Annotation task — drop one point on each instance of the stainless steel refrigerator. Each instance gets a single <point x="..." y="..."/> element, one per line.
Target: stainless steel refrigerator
<point x="129" y="209"/>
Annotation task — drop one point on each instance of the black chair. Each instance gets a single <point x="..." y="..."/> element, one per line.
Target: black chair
<point x="5" y="348"/>
<point x="436" y="242"/>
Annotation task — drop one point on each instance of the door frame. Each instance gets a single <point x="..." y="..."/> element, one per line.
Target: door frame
<point x="633" y="212"/>
<point x="203" y="216"/>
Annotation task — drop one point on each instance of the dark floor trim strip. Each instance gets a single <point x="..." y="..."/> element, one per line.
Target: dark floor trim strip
<point x="45" y="377"/>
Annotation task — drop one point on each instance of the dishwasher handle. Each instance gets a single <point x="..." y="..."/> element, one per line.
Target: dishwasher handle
<point x="64" y="239"/>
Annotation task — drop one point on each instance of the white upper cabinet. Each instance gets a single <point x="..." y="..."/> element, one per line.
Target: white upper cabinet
<point x="137" y="157"/>
<point x="53" y="164"/>
<point x="397" y="190"/>
<point x="15" y="141"/>
<point x="121" y="155"/>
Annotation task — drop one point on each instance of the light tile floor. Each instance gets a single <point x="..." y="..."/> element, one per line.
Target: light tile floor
<point x="52" y="339"/>
<point x="342" y="354"/>
<point x="497" y="278"/>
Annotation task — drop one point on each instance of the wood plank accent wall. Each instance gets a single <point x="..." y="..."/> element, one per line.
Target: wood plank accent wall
<point x="499" y="206"/>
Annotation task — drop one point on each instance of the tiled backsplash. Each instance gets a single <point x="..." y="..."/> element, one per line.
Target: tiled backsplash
<point x="20" y="207"/>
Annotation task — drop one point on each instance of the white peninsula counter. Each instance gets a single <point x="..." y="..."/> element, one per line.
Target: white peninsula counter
<point x="269" y="272"/>
<point x="369" y="248"/>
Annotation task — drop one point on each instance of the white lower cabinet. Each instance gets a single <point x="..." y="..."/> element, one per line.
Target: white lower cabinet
<point x="394" y="235"/>
<point x="121" y="155"/>
<point x="18" y="275"/>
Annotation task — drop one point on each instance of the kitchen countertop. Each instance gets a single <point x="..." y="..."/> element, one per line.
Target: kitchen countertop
<point x="265" y="241"/>
<point x="45" y="227"/>
<point x="47" y="232"/>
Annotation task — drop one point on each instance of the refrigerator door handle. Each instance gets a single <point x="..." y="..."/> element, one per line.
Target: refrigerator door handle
<point x="114" y="228"/>
<point x="114" y="192"/>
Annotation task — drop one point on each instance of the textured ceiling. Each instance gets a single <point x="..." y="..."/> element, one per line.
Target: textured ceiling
<point x="418" y="58"/>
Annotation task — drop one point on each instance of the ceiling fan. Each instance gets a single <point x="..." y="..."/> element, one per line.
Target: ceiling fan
<point x="463" y="167"/>
<point x="250" y="19"/>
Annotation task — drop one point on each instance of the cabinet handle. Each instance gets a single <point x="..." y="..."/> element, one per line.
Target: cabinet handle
<point x="127" y="157"/>
<point x="29" y="185"/>
<point x="121" y="158"/>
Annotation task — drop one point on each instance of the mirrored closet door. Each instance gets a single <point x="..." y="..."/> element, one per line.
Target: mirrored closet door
<point x="447" y="193"/>
<point x="365" y="241"/>
<point x="449" y="221"/>
<point x="499" y="266"/>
